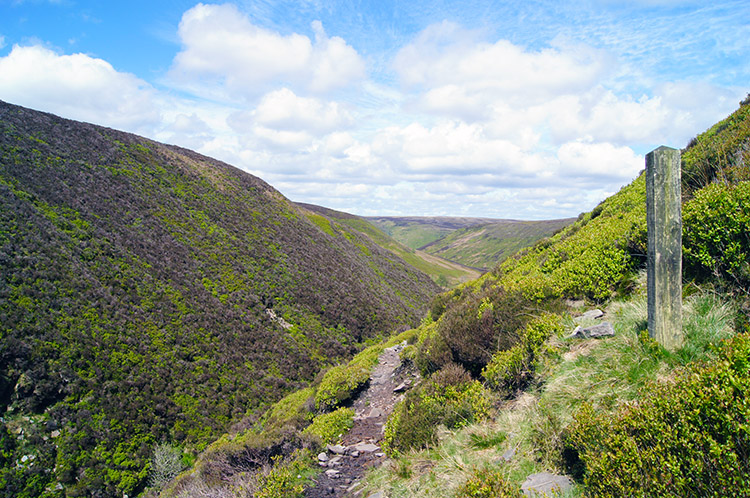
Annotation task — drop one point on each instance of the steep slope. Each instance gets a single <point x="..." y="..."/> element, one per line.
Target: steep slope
<point x="445" y="273"/>
<point x="148" y="294"/>
<point x="484" y="246"/>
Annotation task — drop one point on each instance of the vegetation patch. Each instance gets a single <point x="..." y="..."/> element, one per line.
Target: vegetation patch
<point x="688" y="436"/>
<point x="449" y="398"/>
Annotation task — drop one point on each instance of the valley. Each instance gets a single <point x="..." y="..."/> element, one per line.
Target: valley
<point x="155" y="302"/>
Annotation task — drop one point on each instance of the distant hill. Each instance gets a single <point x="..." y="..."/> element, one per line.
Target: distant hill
<point x="446" y="273"/>
<point x="149" y="293"/>
<point x="475" y="242"/>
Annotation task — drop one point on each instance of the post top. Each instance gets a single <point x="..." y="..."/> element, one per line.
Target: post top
<point x="662" y="148"/>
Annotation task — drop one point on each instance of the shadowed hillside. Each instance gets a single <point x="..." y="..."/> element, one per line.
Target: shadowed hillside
<point x="150" y="294"/>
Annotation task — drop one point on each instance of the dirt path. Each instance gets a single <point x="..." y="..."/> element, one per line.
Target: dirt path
<point x="345" y="464"/>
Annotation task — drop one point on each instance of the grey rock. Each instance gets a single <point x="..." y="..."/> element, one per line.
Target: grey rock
<point x="401" y="387"/>
<point x="509" y="454"/>
<point x="366" y="447"/>
<point x="603" y="329"/>
<point x="322" y="457"/>
<point x="379" y="494"/>
<point x="591" y="315"/>
<point x="337" y="449"/>
<point x="354" y="454"/>
<point x="545" y="483"/>
<point x="333" y="473"/>
<point x="375" y="413"/>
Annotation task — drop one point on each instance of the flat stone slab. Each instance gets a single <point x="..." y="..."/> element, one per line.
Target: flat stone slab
<point x="545" y="483"/>
<point x="603" y="329"/>
<point x="591" y="315"/>
<point x="365" y="447"/>
<point x="336" y="448"/>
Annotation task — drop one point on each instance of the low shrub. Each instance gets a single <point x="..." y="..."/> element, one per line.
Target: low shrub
<point x="686" y="437"/>
<point x="450" y="398"/>
<point x="293" y="410"/>
<point x="341" y="383"/>
<point x="474" y="327"/>
<point x="488" y="483"/>
<point x="512" y="368"/>
<point x="329" y="427"/>
<point x="716" y="234"/>
<point x="432" y="352"/>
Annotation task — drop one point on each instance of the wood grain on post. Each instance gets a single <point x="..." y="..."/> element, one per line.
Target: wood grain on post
<point x="664" y="221"/>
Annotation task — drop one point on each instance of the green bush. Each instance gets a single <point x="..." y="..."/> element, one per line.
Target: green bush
<point x="450" y="398"/>
<point x="341" y="383"/>
<point x="432" y="352"/>
<point x="686" y="437"/>
<point x="511" y="368"/>
<point x="487" y="483"/>
<point x="293" y="410"/>
<point x="481" y="324"/>
<point x="330" y="426"/>
<point x="716" y="233"/>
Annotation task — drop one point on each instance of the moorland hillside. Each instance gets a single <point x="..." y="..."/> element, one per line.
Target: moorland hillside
<point x="150" y="294"/>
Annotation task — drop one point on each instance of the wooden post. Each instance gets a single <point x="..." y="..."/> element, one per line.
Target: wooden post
<point x="664" y="223"/>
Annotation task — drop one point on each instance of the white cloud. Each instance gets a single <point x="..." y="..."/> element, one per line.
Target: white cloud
<point x="77" y="86"/>
<point x="222" y="45"/>
<point x="283" y="110"/>
<point x="458" y="70"/>
<point x="601" y="162"/>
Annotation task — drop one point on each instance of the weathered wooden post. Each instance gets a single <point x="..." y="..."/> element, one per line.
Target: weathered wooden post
<point x="664" y="223"/>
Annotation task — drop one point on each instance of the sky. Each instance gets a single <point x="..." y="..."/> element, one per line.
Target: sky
<point x="529" y="109"/>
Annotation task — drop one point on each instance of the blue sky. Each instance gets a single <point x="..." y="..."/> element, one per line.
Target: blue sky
<point x="526" y="110"/>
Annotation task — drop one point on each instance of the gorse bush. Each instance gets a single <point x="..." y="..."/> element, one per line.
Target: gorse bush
<point x="450" y="398"/>
<point x="685" y="437"/>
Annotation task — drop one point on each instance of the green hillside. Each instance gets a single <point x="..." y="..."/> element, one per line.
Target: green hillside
<point x="485" y="246"/>
<point x="507" y="392"/>
<point x="444" y="272"/>
<point x="150" y="295"/>
<point x="419" y="231"/>
<point x="480" y="243"/>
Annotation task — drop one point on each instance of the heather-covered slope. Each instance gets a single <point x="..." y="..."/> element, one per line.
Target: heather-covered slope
<point x="149" y="294"/>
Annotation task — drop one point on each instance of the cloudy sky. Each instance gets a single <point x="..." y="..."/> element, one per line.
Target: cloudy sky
<point x="509" y="109"/>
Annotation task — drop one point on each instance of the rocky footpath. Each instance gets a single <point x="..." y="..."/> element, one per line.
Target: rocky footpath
<point x="345" y="464"/>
